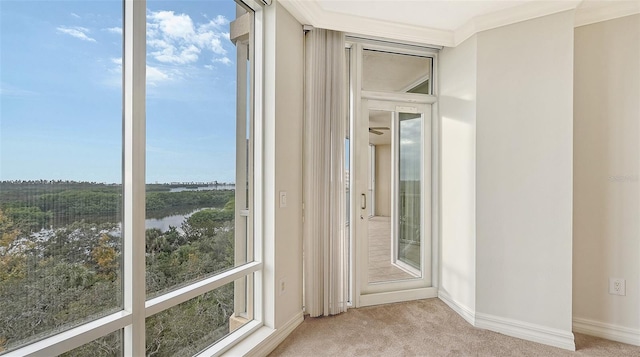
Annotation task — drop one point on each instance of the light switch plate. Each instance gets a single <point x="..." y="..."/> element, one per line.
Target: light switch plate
<point x="283" y="199"/>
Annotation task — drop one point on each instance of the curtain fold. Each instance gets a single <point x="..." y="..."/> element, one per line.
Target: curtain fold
<point x="325" y="239"/>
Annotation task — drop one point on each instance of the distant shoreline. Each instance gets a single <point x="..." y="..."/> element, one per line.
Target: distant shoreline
<point x="171" y="184"/>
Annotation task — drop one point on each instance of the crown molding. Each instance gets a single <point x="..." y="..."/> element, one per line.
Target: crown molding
<point x="309" y="12"/>
<point x="524" y="12"/>
<point x="590" y="12"/>
<point x="586" y="12"/>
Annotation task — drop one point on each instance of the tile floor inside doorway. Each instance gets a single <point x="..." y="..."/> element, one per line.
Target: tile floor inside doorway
<point x="380" y="266"/>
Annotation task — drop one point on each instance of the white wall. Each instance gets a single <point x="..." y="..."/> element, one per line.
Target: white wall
<point x="457" y="105"/>
<point x="524" y="143"/>
<point x="283" y="166"/>
<point x="606" y="239"/>
<point x="383" y="181"/>
<point x="289" y="115"/>
<point x="520" y="125"/>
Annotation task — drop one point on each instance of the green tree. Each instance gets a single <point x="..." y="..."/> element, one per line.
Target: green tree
<point x="29" y="219"/>
<point x="57" y="279"/>
<point x="186" y="329"/>
<point x="106" y="257"/>
<point x="12" y="251"/>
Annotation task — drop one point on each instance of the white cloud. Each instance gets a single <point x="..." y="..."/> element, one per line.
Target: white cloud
<point x="211" y="41"/>
<point x="73" y="14"/>
<point x="171" y="25"/>
<point x="168" y="53"/>
<point x="118" y="62"/>
<point x="113" y="77"/>
<point x="176" y="39"/>
<point x="223" y="60"/>
<point x="116" y="30"/>
<point x="77" y="32"/>
<point x="218" y="22"/>
<point x="155" y="75"/>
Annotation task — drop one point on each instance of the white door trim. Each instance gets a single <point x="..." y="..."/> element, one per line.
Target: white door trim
<point x="366" y="290"/>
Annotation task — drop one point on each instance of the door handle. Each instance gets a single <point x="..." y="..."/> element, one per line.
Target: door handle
<point x="363" y="201"/>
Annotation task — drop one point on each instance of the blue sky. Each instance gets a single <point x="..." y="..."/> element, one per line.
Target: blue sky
<point x="61" y="91"/>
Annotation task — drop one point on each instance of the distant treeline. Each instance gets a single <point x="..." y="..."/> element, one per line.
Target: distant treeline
<point x="40" y="204"/>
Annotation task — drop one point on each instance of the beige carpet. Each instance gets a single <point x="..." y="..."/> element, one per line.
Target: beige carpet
<point x="422" y="328"/>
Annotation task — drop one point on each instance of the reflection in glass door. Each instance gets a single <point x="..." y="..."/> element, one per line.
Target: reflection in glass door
<point x="394" y="234"/>
<point x="379" y="232"/>
<point x="371" y="193"/>
<point x="408" y="192"/>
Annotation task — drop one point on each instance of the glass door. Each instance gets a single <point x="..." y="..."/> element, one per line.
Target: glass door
<point x="392" y="165"/>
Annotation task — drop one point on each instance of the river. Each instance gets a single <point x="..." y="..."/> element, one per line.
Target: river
<point x="204" y="188"/>
<point x="164" y="223"/>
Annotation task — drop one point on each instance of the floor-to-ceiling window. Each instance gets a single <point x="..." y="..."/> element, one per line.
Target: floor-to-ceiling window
<point x="126" y="176"/>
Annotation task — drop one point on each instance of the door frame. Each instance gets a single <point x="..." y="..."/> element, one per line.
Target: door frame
<point x="356" y="95"/>
<point x="411" y="289"/>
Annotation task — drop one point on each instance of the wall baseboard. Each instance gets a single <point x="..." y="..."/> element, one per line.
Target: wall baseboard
<point x="464" y="311"/>
<point x="607" y="331"/>
<point x="270" y="343"/>
<point x="509" y="327"/>
<point x="527" y="331"/>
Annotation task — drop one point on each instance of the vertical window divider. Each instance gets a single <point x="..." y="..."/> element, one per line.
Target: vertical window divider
<point x="256" y="217"/>
<point x="133" y="229"/>
<point x="251" y="281"/>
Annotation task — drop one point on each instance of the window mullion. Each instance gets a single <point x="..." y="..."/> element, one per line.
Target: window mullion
<point x="133" y="227"/>
<point x="173" y="298"/>
<point x="75" y="337"/>
<point x="241" y="237"/>
<point x="256" y="218"/>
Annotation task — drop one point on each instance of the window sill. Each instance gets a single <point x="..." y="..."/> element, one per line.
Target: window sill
<point x="264" y="339"/>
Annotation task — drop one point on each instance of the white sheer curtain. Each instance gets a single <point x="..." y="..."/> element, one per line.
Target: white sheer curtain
<point x="326" y="246"/>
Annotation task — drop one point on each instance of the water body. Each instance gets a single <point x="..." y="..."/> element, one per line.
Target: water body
<point x="203" y="188"/>
<point x="164" y="223"/>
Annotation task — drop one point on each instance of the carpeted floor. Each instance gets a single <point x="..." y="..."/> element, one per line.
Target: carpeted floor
<point x="422" y="328"/>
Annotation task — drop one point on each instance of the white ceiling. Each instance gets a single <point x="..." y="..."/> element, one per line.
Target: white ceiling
<point x="442" y="15"/>
<point x="443" y="22"/>
<point x="380" y="119"/>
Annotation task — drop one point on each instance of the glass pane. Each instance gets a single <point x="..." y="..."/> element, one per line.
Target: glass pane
<point x="107" y="346"/>
<point x="198" y="141"/>
<point x="379" y="199"/>
<point x="393" y="72"/>
<point x="347" y="157"/>
<point x="60" y="166"/>
<point x="347" y="147"/>
<point x="410" y="152"/>
<point x="371" y="192"/>
<point x="192" y="326"/>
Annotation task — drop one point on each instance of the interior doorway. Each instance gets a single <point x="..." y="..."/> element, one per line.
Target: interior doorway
<point x="390" y="191"/>
<point x="393" y="235"/>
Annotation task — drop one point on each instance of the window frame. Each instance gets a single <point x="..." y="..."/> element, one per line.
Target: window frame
<point x="132" y="318"/>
